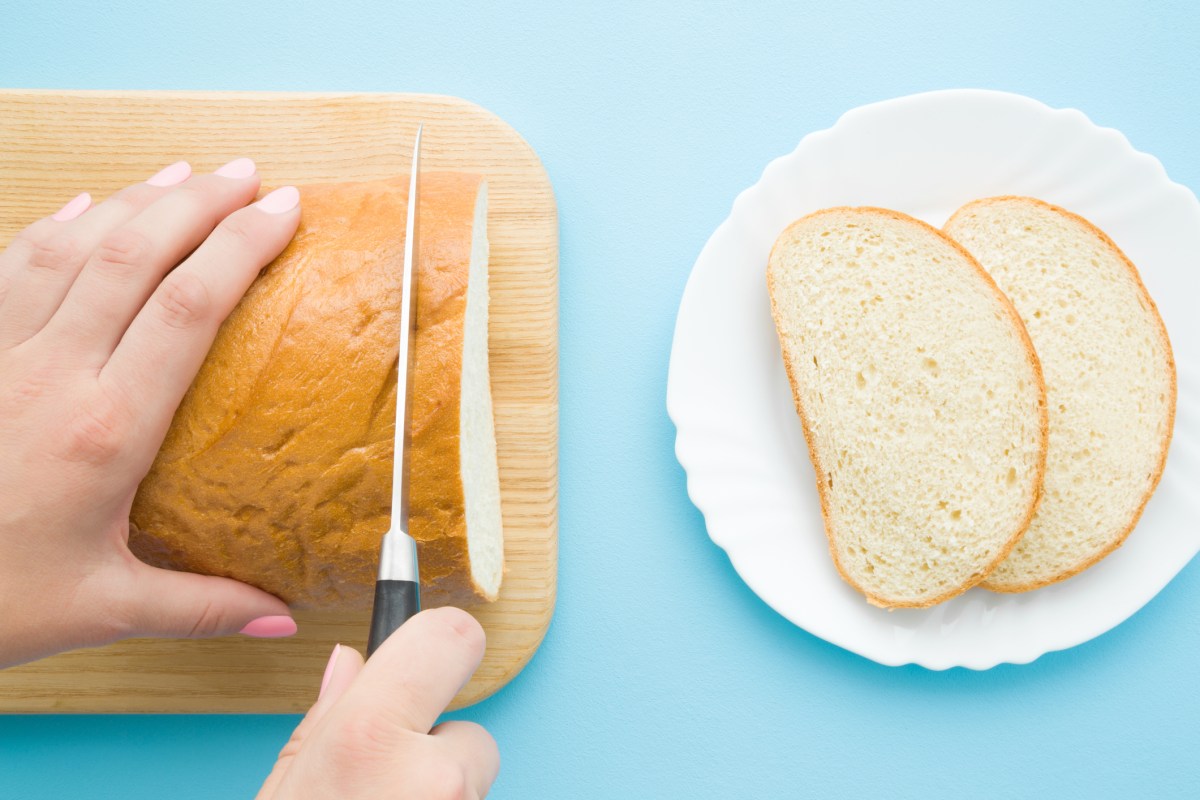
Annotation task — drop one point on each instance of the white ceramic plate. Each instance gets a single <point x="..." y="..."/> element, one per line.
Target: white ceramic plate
<point x="740" y="441"/>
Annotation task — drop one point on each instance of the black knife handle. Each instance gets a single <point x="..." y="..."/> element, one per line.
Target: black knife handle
<point x="395" y="603"/>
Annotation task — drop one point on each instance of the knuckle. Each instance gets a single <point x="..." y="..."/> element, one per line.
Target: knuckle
<point x="96" y="433"/>
<point x="124" y="252"/>
<point x="239" y="232"/>
<point x="112" y="617"/>
<point x="132" y="199"/>
<point x="196" y="199"/>
<point x="32" y="235"/>
<point x="27" y="388"/>
<point x="209" y="622"/>
<point x="59" y="253"/>
<point x="197" y="193"/>
<point x="112" y="627"/>
<point x="445" y="779"/>
<point x="483" y="734"/>
<point x="183" y="300"/>
<point x="292" y="748"/>
<point x="461" y="628"/>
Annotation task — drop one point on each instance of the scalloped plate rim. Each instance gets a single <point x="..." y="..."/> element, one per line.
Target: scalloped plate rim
<point x="688" y="449"/>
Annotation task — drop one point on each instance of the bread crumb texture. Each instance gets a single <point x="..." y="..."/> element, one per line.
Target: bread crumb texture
<point x="1110" y="379"/>
<point x="921" y="399"/>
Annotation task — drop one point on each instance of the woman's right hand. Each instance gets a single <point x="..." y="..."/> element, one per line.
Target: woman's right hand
<point x="371" y="733"/>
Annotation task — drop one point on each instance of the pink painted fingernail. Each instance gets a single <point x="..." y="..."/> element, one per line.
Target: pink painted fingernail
<point x="282" y="199"/>
<point x="238" y="168"/>
<point x="178" y="172"/>
<point x="78" y="204"/>
<point x="270" y="627"/>
<point x="337" y="648"/>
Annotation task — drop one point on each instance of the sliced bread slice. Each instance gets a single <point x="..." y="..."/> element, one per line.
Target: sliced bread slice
<point x="920" y="396"/>
<point x="1110" y="379"/>
<point x="478" y="461"/>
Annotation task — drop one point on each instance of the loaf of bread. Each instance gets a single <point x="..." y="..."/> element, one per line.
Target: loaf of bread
<point x="277" y="468"/>
<point x="1110" y="379"/>
<point x="920" y="397"/>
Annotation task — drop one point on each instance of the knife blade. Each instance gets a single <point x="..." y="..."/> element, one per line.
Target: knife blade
<point x="398" y="585"/>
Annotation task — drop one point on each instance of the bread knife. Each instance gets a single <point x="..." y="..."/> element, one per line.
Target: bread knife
<point x="398" y="586"/>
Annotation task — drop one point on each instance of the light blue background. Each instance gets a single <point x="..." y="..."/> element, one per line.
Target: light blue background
<point x="663" y="675"/>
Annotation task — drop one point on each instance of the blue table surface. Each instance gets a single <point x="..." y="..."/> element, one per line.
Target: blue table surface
<point x="663" y="675"/>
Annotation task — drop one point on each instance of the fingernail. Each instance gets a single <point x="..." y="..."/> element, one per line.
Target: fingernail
<point x="78" y="204"/>
<point x="282" y="199"/>
<point x="270" y="627"/>
<point x="178" y="172"/>
<point x="238" y="168"/>
<point x="337" y="648"/>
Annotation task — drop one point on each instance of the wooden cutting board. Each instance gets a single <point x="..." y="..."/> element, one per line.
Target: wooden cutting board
<point x="56" y="144"/>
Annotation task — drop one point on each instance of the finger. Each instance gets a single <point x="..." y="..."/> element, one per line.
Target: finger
<point x="45" y="251"/>
<point x="50" y="257"/>
<point x="160" y="602"/>
<point x="372" y="739"/>
<point x="23" y="244"/>
<point x="474" y="748"/>
<point x="415" y="674"/>
<point x="344" y="665"/>
<point x="131" y="260"/>
<point x="167" y="341"/>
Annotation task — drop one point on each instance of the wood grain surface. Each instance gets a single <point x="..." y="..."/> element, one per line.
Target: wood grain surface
<point x="56" y="144"/>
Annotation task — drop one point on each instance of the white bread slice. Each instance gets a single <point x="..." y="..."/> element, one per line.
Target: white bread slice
<point x="477" y="427"/>
<point x="1110" y="379"/>
<point x="920" y="396"/>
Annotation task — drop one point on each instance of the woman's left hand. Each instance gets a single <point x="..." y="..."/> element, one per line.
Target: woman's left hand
<point x="106" y="314"/>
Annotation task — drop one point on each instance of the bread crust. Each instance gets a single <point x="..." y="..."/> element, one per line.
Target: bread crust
<point x="1161" y="329"/>
<point x="810" y="439"/>
<point x="276" y="470"/>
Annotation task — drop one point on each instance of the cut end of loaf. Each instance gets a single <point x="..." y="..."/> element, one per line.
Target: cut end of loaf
<point x="920" y="397"/>
<point x="480" y="469"/>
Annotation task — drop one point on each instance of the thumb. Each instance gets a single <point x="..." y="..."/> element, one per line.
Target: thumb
<point x="344" y="665"/>
<point x="166" y="603"/>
